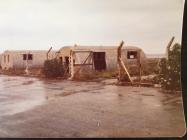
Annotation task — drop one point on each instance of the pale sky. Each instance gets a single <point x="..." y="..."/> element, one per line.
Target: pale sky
<point x="38" y="24"/>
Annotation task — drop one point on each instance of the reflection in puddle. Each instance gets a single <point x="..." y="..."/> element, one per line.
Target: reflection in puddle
<point x="69" y="106"/>
<point x="18" y="94"/>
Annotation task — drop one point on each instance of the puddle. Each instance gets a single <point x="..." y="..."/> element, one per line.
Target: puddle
<point x="28" y="82"/>
<point x="18" y="94"/>
<point x="83" y="107"/>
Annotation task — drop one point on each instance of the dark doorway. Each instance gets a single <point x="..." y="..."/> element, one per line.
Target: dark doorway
<point x="61" y="60"/>
<point x="66" y="60"/>
<point x="67" y="63"/>
<point x="99" y="61"/>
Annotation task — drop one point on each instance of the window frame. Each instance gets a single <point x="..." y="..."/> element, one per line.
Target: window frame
<point x="130" y="53"/>
<point x="24" y="57"/>
<point x="30" y="56"/>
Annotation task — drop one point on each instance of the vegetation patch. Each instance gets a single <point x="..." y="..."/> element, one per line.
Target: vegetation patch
<point x="53" y="69"/>
<point x="169" y="76"/>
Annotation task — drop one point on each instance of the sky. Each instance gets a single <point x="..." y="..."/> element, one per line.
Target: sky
<point x="40" y="24"/>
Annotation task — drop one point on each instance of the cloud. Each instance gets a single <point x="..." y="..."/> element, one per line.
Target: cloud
<point x="35" y="24"/>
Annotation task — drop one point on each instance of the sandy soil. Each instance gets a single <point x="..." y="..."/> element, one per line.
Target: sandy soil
<point x="30" y="107"/>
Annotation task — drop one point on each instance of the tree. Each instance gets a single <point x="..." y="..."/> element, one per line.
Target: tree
<point x="53" y="68"/>
<point x="170" y="69"/>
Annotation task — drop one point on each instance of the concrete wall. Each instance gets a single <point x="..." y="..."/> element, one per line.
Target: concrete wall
<point x="14" y="59"/>
<point x="110" y="54"/>
<point x="5" y="63"/>
<point x="0" y="60"/>
<point x="63" y="52"/>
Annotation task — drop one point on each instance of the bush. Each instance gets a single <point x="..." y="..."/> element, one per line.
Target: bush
<point x="151" y="67"/>
<point x="53" y="68"/>
<point x="170" y="70"/>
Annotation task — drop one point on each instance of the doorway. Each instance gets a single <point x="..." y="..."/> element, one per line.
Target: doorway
<point x="99" y="61"/>
<point x="67" y="63"/>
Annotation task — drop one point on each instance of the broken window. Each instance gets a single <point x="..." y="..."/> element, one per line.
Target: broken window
<point x="132" y="55"/>
<point x="24" y="56"/>
<point x="61" y="60"/>
<point x="30" y="57"/>
<point x="27" y="56"/>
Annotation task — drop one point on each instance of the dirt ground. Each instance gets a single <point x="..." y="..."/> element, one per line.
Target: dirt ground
<point x="30" y="107"/>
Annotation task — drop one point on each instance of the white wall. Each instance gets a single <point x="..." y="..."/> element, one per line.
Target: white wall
<point x="110" y="54"/>
<point x="0" y="60"/>
<point x="5" y="64"/>
<point x="16" y="59"/>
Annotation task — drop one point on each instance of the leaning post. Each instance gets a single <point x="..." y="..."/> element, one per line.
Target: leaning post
<point x="140" y="67"/>
<point x="121" y="63"/>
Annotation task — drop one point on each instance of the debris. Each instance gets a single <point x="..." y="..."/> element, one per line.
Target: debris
<point x="147" y="94"/>
<point x="98" y="124"/>
<point x="157" y="85"/>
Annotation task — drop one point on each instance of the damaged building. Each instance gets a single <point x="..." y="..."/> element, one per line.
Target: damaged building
<point x="86" y="59"/>
<point x="17" y="59"/>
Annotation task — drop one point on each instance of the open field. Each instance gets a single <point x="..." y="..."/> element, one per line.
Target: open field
<point x="31" y="107"/>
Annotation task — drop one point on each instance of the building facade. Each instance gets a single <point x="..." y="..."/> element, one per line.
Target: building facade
<point x="97" y="58"/>
<point x="23" y="59"/>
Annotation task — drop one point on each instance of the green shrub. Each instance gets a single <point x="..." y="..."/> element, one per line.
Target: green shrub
<point x="151" y="67"/>
<point x="170" y="70"/>
<point x="53" y="68"/>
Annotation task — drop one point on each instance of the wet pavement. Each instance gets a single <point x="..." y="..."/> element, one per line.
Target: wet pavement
<point x="31" y="107"/>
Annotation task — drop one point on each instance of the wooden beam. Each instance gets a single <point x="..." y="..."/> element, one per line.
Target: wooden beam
<point x="82" y="64"/>
<point x="168" y="47"/>
<point x="139" y="66"/>
<point x="71" y="67"/>
<point x="136" y="84"/>
<point x="48" y="52"/>
<point x="121" y="63"/>
<point x="119" y="49"/>
<point x="118" y="59"/>
<point x="81" y="51"/>
<point x="125" y="69"/>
